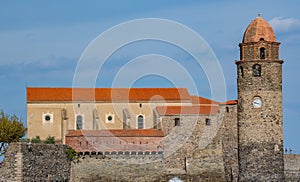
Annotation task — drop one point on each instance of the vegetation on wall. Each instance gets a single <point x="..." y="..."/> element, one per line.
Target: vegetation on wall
<point x="72" y="155"/>
<point x="49" y="140"/>
<point x="11" y="130"/>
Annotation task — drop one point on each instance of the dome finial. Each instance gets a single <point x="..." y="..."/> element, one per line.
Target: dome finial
<point x="258" y="14"/>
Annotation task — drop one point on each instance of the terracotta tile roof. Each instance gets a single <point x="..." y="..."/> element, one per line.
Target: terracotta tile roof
<point x="257" y="29"/>
<point x="187" y="110"/>
<point x="116" y="133"/>
<point x="35" y="94"/>
<point x="202" y="100"/>
<point x="229" y="102"/>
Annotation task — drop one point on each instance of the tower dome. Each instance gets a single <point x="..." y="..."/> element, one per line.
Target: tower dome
<point x="259" y="29"/>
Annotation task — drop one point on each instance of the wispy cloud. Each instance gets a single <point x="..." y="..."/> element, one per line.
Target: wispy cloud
<point x="283" y="25"/>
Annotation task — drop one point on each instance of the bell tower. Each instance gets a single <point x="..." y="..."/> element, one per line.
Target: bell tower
<point x="259" y="81"/>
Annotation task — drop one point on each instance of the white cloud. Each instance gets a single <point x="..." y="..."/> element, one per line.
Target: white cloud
<point x="281" y="24"/>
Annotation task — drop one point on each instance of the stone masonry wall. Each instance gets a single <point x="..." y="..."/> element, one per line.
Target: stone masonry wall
<point x="292" y="167"/>
<point x="230" y="142"/>
<point x="194" y="147"/>
<point x="45" y="162"/>
<point x="8" y="168"/>
<point x="260" y="128"/>
<point x="40" y="162"/>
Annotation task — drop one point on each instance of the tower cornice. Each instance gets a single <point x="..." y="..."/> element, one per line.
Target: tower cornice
<point x="237" y="62"/>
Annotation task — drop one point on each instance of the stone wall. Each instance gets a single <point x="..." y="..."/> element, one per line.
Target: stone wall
<point x="260" y="127"/>
<point x="8" y="168"/>
<point x="292" y="167"/>
<point x="194" y="147"/>
<point x="39" y="162"/>
<point x="138" y="167"/>
<point x="230" y="142"/>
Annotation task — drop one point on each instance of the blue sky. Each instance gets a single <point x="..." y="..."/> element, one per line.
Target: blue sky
<point x="42" y="41"/>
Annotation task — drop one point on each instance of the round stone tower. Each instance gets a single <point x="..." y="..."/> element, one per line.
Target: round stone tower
<point x="260" y="105"/>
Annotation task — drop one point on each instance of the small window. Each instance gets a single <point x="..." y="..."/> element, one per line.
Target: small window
<point x="177" y="121"/>
<point x="78" y="105"/>
<point x="262" y="53"/>
<point x="140" y="122"/>
<point x="207" y="121"/>
<point x="227" y="109"/>
<point x="256" y="70"/>
<point x="110" y="118"/>
<point x="47" y="117"/>
<point x="261" y="39"/>
<point x="79" y="120"/>
<point x="242" y="71"/>
<point x="141" y="105"/>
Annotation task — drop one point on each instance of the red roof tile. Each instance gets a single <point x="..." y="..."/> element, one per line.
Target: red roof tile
<point x="107" y="94"/>
<point x="116" y="133"/>
<point x="202" y="100"/>
<point x="229" y="102"/>
<point x="187" y="110"/>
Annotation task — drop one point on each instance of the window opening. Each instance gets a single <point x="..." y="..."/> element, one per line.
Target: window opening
<point x="242" y="71"/>
<point x="262" y="53"/>
<point x="140" y="122"/>
<point x="256" y="70"/>
<point x="177" y="121"/>
<point x="79" y="122"/>
<point x="227" y="109"/>
<point x="207" y="121"/>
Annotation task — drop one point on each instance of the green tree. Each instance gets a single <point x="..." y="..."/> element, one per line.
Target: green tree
<point x="11" y="130"/>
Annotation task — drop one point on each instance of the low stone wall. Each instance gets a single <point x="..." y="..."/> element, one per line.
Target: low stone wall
<point x="109" y="169"/>
<point x="292" y="167"/>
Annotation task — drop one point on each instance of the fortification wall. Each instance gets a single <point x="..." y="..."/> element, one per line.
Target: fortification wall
<point x="215" y="162"/>
<point x="292" y="167"/>
<point x="230" y="142"/>
<point x="35" y="162"/>
<point x="8" y="168"/>
<point x="194" y="146"/>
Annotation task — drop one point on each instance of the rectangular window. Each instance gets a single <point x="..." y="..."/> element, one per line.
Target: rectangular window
<point x="207" y="121"/>
<point x="177" y="121"/>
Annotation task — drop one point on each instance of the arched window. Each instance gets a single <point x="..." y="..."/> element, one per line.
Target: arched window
<point x="256" y="70"/>
<point x="262" y="53"/>
<point x="140" y="122"/>
<point x="79" y="122"/>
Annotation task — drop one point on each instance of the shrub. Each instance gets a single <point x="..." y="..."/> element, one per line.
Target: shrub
<point x="72" y="154"/>
<point x="37" y="139"/>
<point x="50" y="140"/>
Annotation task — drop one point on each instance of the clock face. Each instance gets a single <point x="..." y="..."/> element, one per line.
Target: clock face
<point x="257" y="102"/>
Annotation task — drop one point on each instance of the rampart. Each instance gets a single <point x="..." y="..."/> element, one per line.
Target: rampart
<point x="292" y="167"/>
<point x="35" y="162"/>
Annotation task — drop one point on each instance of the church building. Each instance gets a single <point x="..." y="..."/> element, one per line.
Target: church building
<point x="243" y="137"/>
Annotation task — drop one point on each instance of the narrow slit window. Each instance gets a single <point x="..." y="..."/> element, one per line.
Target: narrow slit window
<point x="177" y="121"/>
<point x="207" y="121"/>
<point x="242" y="71"/>
<point x="79" y="122"/>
